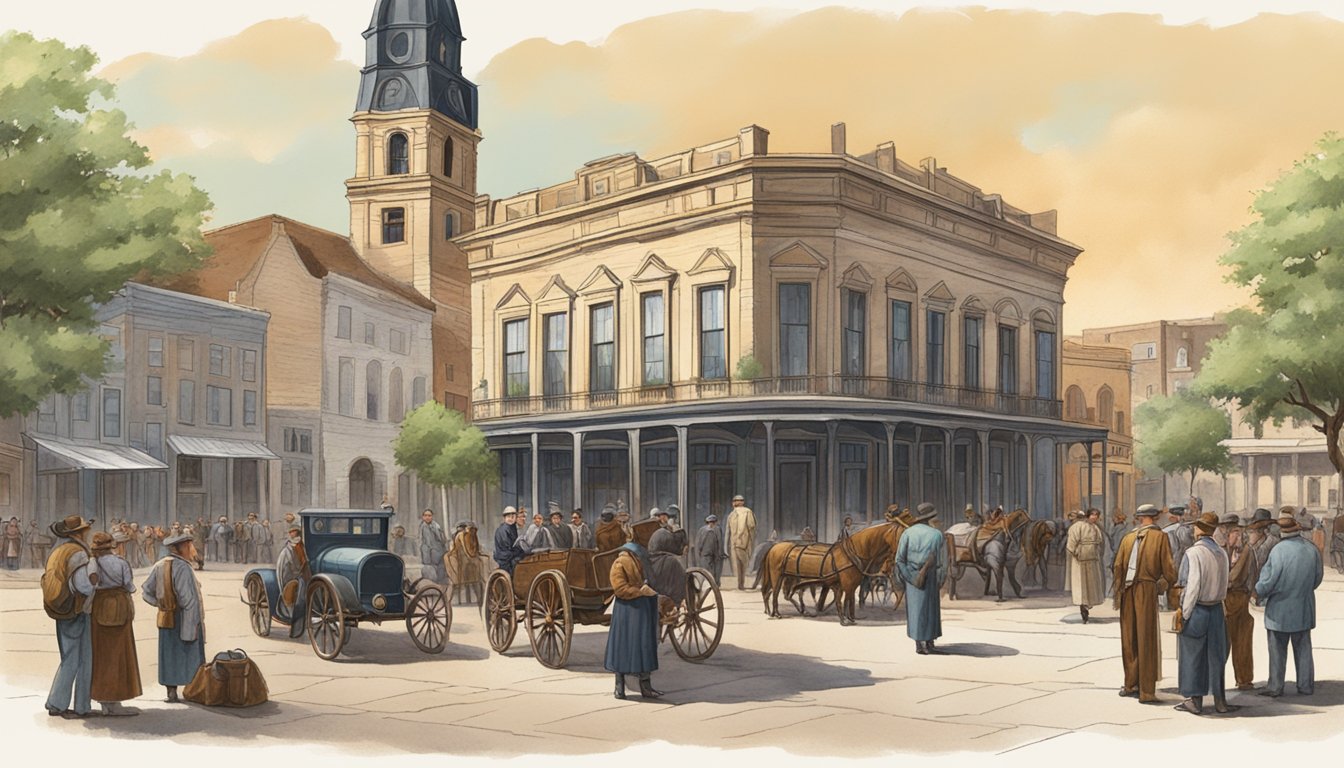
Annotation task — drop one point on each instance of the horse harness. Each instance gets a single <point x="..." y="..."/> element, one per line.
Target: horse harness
<point x="846" y="546"/>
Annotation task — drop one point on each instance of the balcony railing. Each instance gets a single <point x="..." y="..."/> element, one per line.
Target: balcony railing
<point x="858" y="387"/>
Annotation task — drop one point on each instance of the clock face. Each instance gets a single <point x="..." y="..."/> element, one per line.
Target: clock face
<point x="399" y="46"/>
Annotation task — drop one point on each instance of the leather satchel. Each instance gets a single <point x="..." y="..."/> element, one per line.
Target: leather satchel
<point x="167" y="618"/>
<point x="113" y="608"/>
<point x="231" y="679"/>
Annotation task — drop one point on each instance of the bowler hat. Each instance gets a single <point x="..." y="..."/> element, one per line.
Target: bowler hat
<point x="925" y="511"/>
<point x="70" y="524"/>
<point x="1288" y="525"/>
<point x="1207" y="522"/>
<point x="1231" y="518"/>
<point x="1147" y="510"/>
<point x="180" y="538"/>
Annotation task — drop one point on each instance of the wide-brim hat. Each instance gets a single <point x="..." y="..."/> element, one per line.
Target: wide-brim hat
<point x="1289" y="525"/>
<point x="180" y="538"/>
<point x="1260" y="519"/>
<point x="925" y="511"/>
<point x="1147" y="510"/>
<point x="102" y="542"/>
<point x="70" y="524"/>
<point x="1231" y="518"/>
<point x="1207" y="522"/>
<point x="508" y="511"/>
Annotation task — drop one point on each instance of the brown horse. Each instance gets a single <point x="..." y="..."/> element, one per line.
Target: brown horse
<point x="840" y="567"/>
<point x="1036" y="548"/>
<point x="463" y="565"/>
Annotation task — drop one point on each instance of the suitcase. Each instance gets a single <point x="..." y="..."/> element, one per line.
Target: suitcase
<point x="231" y="679"/>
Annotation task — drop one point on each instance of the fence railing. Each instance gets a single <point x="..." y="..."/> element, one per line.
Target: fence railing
<point x="860" y="387"/>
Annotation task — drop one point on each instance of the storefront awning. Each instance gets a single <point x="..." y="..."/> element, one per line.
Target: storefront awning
<point x="106" y="457"/>
<point x="219" y="448"/>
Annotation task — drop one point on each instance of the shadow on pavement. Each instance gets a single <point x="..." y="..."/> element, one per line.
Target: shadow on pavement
<point x="978" y="650"/>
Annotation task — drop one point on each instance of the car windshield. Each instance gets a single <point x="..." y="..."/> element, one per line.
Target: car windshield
<point x="357" y="526"/>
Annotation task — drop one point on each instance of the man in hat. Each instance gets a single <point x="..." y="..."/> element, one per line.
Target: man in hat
<point x="1143" y="569"/>
<point x="1243" y="572"/>
<point x="173" y="589"/>
<point x="398" y="539"/>
<point x="252" y="539"/>
<point x="561" y="535"/>
<point x="116" y="668"/>
<point x="610" y="534"/>
<point x="583" y="535"/>
<point x="741" y="538"/>
<point x="506" y="552"/>
<point x="218" y="543"/>
<point x="433" y="546"/>
<point x="971" y="516"/>
<point x="709" y="547"/>
<point x="673" y="514"/>
<point x="1202" y="631"/>
<point x="266" y="542"/>
<point x="921" y="562"/>
<point x="1287" y="586"/>
<point x="69" y="564"/>
<point x="1260" y="538"/>
<point x="1084" y="547"/>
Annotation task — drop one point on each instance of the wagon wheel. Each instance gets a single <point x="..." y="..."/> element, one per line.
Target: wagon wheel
<point x="326" y="620"/>
<point x="429" y="618"/>
<point x="501" y="620"/>
<point x="550" y="623"/>
<point x="258" y="606"/>
<point x="698" y="632"/>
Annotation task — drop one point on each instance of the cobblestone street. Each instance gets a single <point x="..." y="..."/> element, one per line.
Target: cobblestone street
<point x="1022" y="674"/>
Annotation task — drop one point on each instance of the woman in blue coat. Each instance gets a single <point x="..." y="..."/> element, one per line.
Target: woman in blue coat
<point x="920" y="546"/>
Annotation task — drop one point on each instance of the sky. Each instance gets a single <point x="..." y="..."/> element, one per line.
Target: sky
<point x="1148" y="131"/>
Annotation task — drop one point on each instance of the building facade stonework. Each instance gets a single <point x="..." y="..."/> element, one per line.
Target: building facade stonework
<point x="1098" y="474"/>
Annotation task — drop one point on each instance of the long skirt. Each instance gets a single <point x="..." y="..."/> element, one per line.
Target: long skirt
<point x="1203" y="642"/>
<point x="178" y="660"/>
<point x="116" y="668"/>
<point x="632" y="643"/>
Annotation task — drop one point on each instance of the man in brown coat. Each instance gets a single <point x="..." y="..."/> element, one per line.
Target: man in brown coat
<point x="1241" y="578"/>
<point x="1143" y="569"/>
<point x="610" y="534"/>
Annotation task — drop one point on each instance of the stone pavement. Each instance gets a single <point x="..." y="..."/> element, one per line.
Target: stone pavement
<point x="1024" y="675"/>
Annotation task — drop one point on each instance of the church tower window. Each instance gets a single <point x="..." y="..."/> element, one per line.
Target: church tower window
<point x="448" y="150"/>
<point x="394" y="225"/>
<point x="398" y="154"/>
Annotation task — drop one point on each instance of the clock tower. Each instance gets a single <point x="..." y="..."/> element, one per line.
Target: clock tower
<point x="414" y="187"/>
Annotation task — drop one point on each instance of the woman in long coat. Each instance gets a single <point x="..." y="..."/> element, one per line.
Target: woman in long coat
<point x="116" y="668"/>
<point x="921" y="561"/>
<point x="181" y="630"/>
<point x="632" y="643"/>
<point x="1084" y="545"/>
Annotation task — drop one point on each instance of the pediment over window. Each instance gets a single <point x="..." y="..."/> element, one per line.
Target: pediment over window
<point x="1008" y="310"/>
<point x="973" y="305"/>
<point x="799" y="255"/>
<point x="514" y="297"/>
<point x="901" y="281"/>
<point x="712" y="261"/>
<point x="654" y="269"/>
<point x="600" y="280"/>
<point x="556" y="290"/>
<point x="857" y="278"/>
<point x="940" y="293"/>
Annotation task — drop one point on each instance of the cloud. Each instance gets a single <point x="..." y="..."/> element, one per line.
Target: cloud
<point x="1149" y="139"/>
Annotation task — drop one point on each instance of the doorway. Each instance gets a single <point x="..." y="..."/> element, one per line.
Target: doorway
<point x="361" y="485"/>
<point x="796" y="492"/>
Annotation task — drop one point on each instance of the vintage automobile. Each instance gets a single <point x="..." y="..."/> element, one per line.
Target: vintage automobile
<point x="354" y="579"/>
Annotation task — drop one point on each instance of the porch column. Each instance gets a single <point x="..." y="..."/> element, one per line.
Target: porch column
<point x="1031" y="472"/>
<point x="536" y="472"/>
<point x="578" y="469"/>
<point x="1274" y="475"/>
<point x="917" y="484"/>
<point x="228" y="490"/>
<point x="1105" y="479"/>
<point x="682" y="472"/>
<point x="1301" y="489"/>
<point x="984" y="470"/>
<point x="1088" y="501"/>
<point x="770" y="476"/>
<point x="890" y="475"/>
<point x="832" y="480"/>
<point x="636" y="498"/>
<point x="1252" y="499"/>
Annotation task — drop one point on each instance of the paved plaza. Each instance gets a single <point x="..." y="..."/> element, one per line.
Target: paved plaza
<point x="1022" y="674"/>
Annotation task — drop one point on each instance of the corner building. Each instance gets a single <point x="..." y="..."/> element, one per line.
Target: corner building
<point x="823" y="333"/>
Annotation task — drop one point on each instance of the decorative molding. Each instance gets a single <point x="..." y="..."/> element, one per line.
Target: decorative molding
<point x="600" y="280"/>
<point x="514" y="297"/>
<point x="797" y="254"/>
<point x="901" y="281"/>
<point x="712" y="261"/>
<point x="857" y="278"/>
<point x="939" y="293"/>
<point x="556" y="285"/>
<point x="973" y="305"/>
<point x="652" y="270"/>
<point x="1008" y="310"/>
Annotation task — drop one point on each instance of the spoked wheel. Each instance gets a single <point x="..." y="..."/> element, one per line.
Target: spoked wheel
<point x="501" y="621"/>
<point x="700" y="626"/>
<point x="429" y="618"/>
<point x="258" y="606"/>
<point x="326" y="620"/>
<point x="550" y="622"/>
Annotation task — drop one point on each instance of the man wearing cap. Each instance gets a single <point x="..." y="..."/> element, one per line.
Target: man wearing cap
<point x="921" y="561"/>
<point x="1143" y="569"/>
<point x="433" y="546"/>
<point x="583" y="535"/>
<point x="173" y="589"/>
<point x="292" y="572"/>
<point x="609" y="533"/>
<point x="1243" y="572"/>
<point x="116" y="668"/>
<point x="1202" y="633"/>
<point x="218" y="543"/>
<point x="672" y="513"/>
<point x="561" y="534"/>
<point x="709" y="547"/>
<point x="1084" y="547"/>
<point x="69" y="563"/>
<point x="741" y="538"/>
<point x="1287" y="587"/>
<point x="506" y="552"/>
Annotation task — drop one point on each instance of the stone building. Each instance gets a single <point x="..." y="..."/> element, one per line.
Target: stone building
<point x="824" y="333"/>
<point x="1096" y="382"/>
<point x="175" y="429"/>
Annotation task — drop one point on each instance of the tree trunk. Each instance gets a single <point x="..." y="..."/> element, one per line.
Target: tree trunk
<point x="443" y="494"/>
<point x="1194" y="472"/>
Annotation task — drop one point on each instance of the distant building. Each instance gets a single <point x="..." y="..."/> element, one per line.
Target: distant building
<point x="824" y="333"/>
<point x="1096" y="383"/>
<point x="175" y="429"/>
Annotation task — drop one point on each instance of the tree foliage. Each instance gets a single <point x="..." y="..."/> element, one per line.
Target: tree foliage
<point x="1282" y="358"/>
<point x="1182" y="433"/>
<point x="438" y="445"/>
<point x="77" y="220"/>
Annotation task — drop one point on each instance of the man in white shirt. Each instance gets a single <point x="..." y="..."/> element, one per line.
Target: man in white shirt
<point x="1203" y="630"/>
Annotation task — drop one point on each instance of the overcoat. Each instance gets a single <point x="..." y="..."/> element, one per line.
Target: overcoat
<point x="1140" y="635"/>
<point x="924" y="617"/>
<point x="610" y="535"/>
<point x="182" y="648"/>
<point x="632" y="643"/>
<point x="1287" y="585"/>
<point x="1085" y="545"/>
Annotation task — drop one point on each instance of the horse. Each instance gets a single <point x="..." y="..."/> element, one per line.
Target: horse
<point x="1037" y="547"/>
<point x="840" y="567"/>
<point x="463" y="565"/>
<point x="993" y="553"/>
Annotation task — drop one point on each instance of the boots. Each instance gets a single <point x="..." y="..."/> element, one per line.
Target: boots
<point x="620" y="686"/>
<point x="920" y="648"/>
<point x="172" y="695"/>
<point x="1082" y="611"/>
<point x="1221" y="706"/>
<point x="646" y="689"/>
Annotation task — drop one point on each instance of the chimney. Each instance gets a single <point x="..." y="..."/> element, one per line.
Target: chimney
<point x="753" y="140"/>
<point x="838" y="139"/>
<point x="886" y="157"/>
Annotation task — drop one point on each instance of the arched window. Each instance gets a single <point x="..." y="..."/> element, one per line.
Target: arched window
<point x="1106" y="407"/>
<point x="1075" y="404"/>
<point x="448" y="150"/>
<point x="396" y="399"/>
<point x="398" y="154"/>
<point x="1182" y="358"/>
<point x="373" y="388"/>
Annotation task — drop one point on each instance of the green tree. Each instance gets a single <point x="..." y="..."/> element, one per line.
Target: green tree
<point x="1282" y="358"/>
<point x="438" y="445"/>
<point x="1182" y="434"/>
<point x="78" y="218"/>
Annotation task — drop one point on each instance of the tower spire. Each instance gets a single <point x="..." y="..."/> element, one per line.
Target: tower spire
<point x="413" y="60"/>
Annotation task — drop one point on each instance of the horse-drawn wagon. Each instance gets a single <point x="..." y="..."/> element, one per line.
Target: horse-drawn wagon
<point x="550" y="592"/>
<point x="351" y="579"/>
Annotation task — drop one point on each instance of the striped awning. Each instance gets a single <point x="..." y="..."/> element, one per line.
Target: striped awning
<point x="219" y="448"/>
<point x="99" y="456"/>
